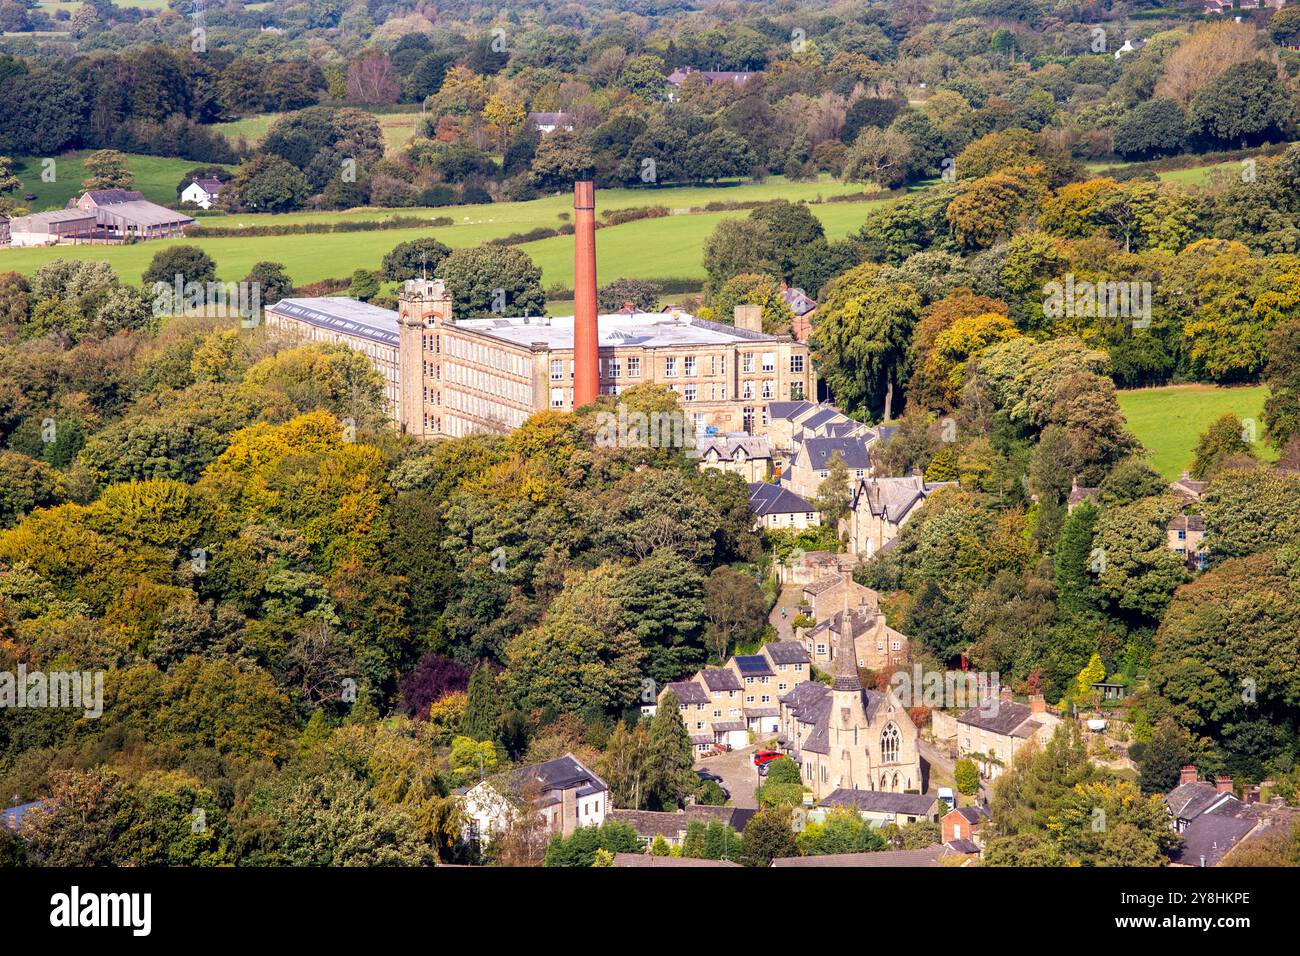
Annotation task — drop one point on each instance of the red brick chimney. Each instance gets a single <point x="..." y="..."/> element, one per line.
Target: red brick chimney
<point x="1223" y="785"/>
<point x="1037" y="705"/>
<point x="586" y="336"/>
<point x="1187" y="775"/>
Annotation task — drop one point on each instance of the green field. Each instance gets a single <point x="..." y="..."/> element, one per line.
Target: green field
<point x="252" y="128"/>
<point x="397" y="128"/>
<point x="1197" y="175"/>
<point x="668" y="247"/>
<point x="155" y="176"/>
<point x="1169" y="420"/>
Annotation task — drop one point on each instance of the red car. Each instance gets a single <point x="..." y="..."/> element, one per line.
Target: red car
<point x="764" y="757"/>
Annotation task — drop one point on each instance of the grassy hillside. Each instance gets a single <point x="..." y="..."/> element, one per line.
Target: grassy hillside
<point x="1169" y="420"/>
<point x="155" y="176"/>
<point x="396" y="127"/>
<point x="668" y="247"/>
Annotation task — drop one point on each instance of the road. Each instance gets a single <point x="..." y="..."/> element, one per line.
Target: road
<point x="936" y="758"/>
<point x="788" y="599"/>
<point x="738" y="775"/>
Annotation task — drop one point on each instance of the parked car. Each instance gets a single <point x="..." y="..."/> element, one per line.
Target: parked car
<point x="707" y="777"/>
<point x="764" y="757"/>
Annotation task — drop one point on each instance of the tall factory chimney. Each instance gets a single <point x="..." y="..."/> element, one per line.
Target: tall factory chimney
<point x="586" y="336"/>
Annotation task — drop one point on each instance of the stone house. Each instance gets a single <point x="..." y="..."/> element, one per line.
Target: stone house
<point x="991" y="733"/>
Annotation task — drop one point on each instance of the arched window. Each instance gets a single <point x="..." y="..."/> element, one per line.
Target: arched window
<point x="889" y="744"/>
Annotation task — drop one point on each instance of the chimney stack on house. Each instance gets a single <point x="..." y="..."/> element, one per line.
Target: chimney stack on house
<point x="586" y="335"/>
<point x="748" y="317"/>
<point x="1004" y="695"/>
<point x="1223" y="785"/>
<point x="1187" y="775"/>
<point x="1037" y="705"/>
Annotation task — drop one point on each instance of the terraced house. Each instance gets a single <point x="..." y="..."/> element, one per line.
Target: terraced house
<point x="722" y="706"/>
<point x="992" y="733"/>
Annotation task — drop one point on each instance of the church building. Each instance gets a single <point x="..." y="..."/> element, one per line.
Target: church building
<point x="845" y="737"/>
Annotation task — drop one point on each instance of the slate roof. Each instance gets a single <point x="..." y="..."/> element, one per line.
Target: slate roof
<point x="645" y="859"/>
<point x="820" y="450"/>
<point x="930" y="856"/>
<point x="348" y="316"/>
<point x="726" y="445"/>
<point x="861" y="619"/>
<point x="893" y="498"/>
<point x="845" y="429"/>
<point x="740" y="78"/>
<point x="768" y="499"/>
<point x="1079" y="494"/>
<point x="963" y="846"/>
<point x="688" y="692"/>
<point x="805" y="698"/>
<point x="1189" y="800"/>
<point x="1214" y="833"/>
<point x="1027" y="729"/>
<point x="787" y="652"/>
<point x="916" y="804"/>
<point x="799" y="301"/>
<point x="814" y="707"/>
<point x="754" y="665"/>
<point x="110" y="197"/>
<point x="1188" y="487"/>
<point x="727" y="726"/>
<point x="1187" y="523"/>
<point x="788" y="410"/>
<point x="720" y="678"/>
<point x="824" y="584"/>
<point x="762" y="711"/>
<point x="669" y="824"/>
<point x="823" y="417"/>
<point x="562" y="773"/>
<point x="1006" y="718"/>
<point x="973" y="815"/>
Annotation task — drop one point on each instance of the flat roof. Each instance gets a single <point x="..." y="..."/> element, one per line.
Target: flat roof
<point x="647" y="329"/>
<point x="619" y="329"/>
<point x="341" y="314"/>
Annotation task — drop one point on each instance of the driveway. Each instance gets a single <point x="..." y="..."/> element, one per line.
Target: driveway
<point x="788" y="599"/>
<point x="738" y="774"/>
<point x="936" y="759"/>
